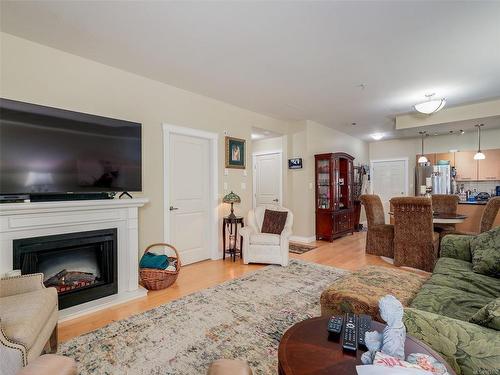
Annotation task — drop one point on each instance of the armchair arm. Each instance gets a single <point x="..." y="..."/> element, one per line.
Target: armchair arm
<point x="285" y="235"/>
<point x="13" y="356"/>
<point x="21" y="284"/>
<point x="245" y="232"/>
<point x="456" y="246"/>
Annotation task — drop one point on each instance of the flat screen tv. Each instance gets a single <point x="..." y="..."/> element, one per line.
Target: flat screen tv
<point x="47" y="150"/>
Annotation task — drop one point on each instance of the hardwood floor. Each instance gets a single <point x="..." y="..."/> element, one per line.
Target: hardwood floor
<point x="346" y="253"/>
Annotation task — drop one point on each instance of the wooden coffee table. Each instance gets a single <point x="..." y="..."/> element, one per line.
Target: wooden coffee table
<point x="306" y="350"/>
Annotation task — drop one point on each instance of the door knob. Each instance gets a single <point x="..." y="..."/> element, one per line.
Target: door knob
<point x="172" y="208"/>
<point x="276" y="200"/>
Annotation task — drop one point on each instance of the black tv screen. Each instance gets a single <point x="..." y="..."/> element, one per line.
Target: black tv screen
<point x="49" y="150"/>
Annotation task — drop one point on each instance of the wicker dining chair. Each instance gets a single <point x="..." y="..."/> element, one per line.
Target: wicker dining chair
<point x="416" y="244"/>
<point x="444" y="204"/>
<point x="380" y="236"/>
<point x="488" y="217"/>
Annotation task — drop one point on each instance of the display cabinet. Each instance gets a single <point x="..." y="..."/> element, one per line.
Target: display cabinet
<point x="334" y="195"/>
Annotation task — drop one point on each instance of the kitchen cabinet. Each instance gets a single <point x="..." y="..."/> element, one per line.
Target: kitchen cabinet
<point x="489" y="168"/>
<point x="450" y="156"/>
<point x="466" y="166"/>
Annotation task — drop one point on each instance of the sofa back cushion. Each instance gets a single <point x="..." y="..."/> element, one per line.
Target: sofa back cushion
<point x="485" y="249"/>
<point x="488" y="316"/>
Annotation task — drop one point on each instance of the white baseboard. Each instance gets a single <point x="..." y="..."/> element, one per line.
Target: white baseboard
<point x="303" y="239"/>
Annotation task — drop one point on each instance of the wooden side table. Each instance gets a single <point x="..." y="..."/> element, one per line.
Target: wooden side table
<point x="306" y="349"/>
<point x="230" y="230"/>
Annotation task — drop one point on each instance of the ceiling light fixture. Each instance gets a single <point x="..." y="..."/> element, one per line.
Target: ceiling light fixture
<point x="377" y="136"/>
<point x="479" y="155"/>
<point x="431" y="105"/>
<point x="422" y="159"/>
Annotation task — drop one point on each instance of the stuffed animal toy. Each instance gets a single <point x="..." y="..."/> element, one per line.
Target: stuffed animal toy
<point x="392" y="340"/>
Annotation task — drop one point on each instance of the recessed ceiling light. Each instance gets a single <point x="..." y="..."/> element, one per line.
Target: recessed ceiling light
<point x="431" y="105"/>
<point x="377" y="136"/>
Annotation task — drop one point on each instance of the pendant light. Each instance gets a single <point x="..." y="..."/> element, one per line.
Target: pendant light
<point x="422" y="159"/>
<point x="479" y="155"/>
<point x="431" y="105"/>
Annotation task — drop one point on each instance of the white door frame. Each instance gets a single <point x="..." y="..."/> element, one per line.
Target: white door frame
<point x="405" y="160"/>
<point x="213" y="139"/>
<point x="260" y="153"/>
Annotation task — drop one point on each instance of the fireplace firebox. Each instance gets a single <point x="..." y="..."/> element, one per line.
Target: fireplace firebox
<point x="81" y="266"/>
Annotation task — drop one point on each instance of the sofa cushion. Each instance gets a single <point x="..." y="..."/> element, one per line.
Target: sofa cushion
<point x="274" y="221"/>
<point x="489" y="315"/>
<point x="467" y="347"/>
<point x="485" y="249"/>
<point x="450" y="302"/>
<point x="265" y="239"/>
<point x="24" y="315"/>
<point x="457" y="274"/>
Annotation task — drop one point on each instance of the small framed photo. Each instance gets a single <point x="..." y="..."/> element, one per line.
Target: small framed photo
<point x="295" y="163"/>
<point x="235" y="153"/>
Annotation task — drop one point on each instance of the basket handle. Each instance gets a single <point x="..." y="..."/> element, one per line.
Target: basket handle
<point x="167" y="245"/>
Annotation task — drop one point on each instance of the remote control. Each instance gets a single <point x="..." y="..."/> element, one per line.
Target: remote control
<point x="364" y="325"/>
<point x="350" y="337"/>
<point x="335" y="325"/>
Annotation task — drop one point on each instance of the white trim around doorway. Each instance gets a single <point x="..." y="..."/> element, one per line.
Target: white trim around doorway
<point x="213" y="139"/>
<point x="254" y="185"/>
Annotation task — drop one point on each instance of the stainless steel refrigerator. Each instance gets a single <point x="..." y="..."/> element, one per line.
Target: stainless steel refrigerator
<point x="439" y="177"/>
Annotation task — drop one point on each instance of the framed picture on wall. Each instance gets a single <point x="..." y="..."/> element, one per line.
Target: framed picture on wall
<point x="235" y="153"/>
<point x="295" y="163"/>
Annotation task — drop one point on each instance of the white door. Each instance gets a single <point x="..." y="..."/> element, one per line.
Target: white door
<point x="389" y="179"/>
<point x="267" y="179"/>
<point x="189" y="197"/>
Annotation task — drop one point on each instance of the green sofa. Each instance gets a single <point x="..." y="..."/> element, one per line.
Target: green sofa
<point x="439" y="314"/>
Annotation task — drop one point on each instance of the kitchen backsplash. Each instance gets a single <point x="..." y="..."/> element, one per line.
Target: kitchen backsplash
<point x="480" y="186"/>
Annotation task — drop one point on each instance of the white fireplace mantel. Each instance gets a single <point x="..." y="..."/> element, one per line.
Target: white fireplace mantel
<point x="25" y="220"/>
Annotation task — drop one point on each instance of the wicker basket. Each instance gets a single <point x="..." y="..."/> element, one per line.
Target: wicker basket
<point x="154" y="279"/>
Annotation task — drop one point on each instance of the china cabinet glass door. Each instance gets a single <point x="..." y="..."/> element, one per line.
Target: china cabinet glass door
<point x="323" y="181"/>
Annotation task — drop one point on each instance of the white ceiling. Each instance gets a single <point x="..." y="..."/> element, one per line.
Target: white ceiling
<point x="291" y="60"/>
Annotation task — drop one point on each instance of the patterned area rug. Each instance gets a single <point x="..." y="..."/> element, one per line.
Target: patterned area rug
<point x="243" y="318"/>
<point x="300" y="248"/>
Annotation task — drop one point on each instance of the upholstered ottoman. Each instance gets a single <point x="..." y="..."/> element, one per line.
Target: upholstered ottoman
<point x="229" y="367"/>
<point x="360" y="291"/>
<point x="50" y="364"/>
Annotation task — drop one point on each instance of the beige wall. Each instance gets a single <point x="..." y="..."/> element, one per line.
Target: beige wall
<point x="267" y="145"/>
<point x="409" y="148"/>
<point x="38" y="74"/>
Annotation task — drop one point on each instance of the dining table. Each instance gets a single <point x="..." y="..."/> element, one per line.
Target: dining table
<point x="444" y="218"/>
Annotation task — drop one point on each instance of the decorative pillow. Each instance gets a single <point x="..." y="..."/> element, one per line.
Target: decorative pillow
<point x="274" y="221"/>
<point x="485" y="249"/>
<point x="488" y="316"/>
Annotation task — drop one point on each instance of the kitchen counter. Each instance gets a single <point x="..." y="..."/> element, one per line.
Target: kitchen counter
<point x="477" y="203"/>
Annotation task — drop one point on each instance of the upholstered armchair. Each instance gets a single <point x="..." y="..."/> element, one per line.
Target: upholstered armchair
<point x="380" y="236"/>
<point x="444" y="204"/>
<point x="415" y="242"/>
<point x="261" y="247"/>
<point x="28" y="321"/>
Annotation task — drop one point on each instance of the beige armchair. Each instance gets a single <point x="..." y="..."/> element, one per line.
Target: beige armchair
<point x="28" y="321"/>
<point x="261" y="247"/>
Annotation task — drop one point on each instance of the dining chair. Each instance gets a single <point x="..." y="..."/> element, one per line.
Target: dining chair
<point x="444" y="204"/>
<point x="380" y="236"/>
<point x="416" y="244"/>
<point x="488" y="217"/>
